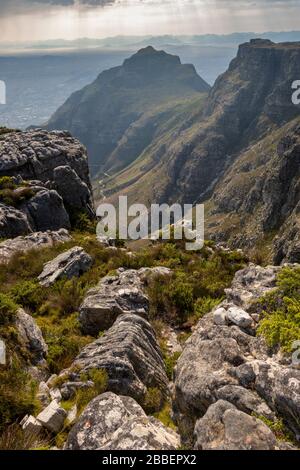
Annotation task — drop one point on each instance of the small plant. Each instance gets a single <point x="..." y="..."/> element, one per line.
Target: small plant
<point x="153" y="400"/>
<point x="170" y="363"/>
<point x="8" y="309"/>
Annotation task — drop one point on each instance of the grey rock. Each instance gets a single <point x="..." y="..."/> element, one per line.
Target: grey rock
<point x="43" y="394"/>
<point x="251" y="283"/>
<point x="69" y="389"/>
<point x="114" y="296"/>
<point x="51" y="159"/>
<point x="220" y="316"/>
<point x="13" y="222"/>
<point x="112" y="422"/>
<point x="223" y="427"/>
<point x="72" y="415"/>
<point x="31" y="425"/>
<point x="131" y="356"/>
<point x="35" y="241"/>
<point x="31" y="336"/>
<point x="239" y="317"/>
<point x="75" y="192"/>
<point x="46" y="211"/>
<point x="245" y="400"/>
<point x="71" y="263"/>
<point x="52" y="417"/>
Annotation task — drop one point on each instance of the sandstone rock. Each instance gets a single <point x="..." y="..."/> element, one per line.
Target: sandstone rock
<point x="34" y="241"/>
<point x="131" y="356"/>
<point x="52" y="417"/>
<point x="31" y="425"/>
<point x="13" y="222"/>
<point x="72" y="415"/>
<point x="251" y="283"/>
<point x="69" y="389"/>
<point x="55" y="394"/>
<point x="239" y="317"/>
<point x="52" y="159"/>
<point x="112" y="422"/>
<point x="31" y="336"/>
<point x="75" y="192"/>
<point x="114" y="296"/>
<point x="245" y="400"/>
<point x="46" y="211"/>
<point x="220" y="316"/>
<point x="43" y="394"/>
<point x="223" y="427"/>
<point x="71" y="263"/>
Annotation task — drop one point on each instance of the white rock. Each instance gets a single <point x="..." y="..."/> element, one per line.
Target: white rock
<point x="239" y="317"/>
<point x="220" y="316"/>
<point x="72" y="415"/>
<point x="52" y="417"/>
<point x="55" y="394"/>
<point x="31" y="425"/>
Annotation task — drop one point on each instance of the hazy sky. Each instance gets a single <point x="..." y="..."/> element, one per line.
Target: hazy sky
<point x="47" y="19"/>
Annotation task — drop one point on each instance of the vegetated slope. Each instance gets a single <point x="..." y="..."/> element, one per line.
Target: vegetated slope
<point x="247" y="113"/>
<point x="117" y="115"/>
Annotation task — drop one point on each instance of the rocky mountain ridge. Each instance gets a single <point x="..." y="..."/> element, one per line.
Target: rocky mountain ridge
<point x="118" y="115"/>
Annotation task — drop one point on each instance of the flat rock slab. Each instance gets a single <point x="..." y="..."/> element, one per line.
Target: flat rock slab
<point x="112" y="422"/>
<point x="52" y="417"/>
<point x="131" y="356"/>
<point x="36" y="240"/>
<point x="72" y="263"/>
<point x="116" y="295"/>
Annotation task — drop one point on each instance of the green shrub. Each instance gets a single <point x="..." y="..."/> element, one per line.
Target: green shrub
<point x="170" y="363"/>
<point x="64" y="340"/>
<point x="17" y="393"/>
<point x="6" y="182"/>
<point x="164" y="416"/>
<point x="153" y="400"/>
<point x="280" y="311"/>
<point x="28" y="294"/>
<point x="8" y="309"/>
<point x="204" y="305"/>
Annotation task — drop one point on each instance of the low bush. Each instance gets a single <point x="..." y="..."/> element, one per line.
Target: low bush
<point x="8" y="309"/>
<point x="280" y="311"/>
<point x="153" y="400"/>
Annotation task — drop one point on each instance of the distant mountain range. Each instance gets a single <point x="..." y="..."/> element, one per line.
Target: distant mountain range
<point x="156" y="41"/>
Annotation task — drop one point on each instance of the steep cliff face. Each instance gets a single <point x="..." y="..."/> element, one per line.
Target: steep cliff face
<point x="251" y="99"/>
<point x="117" y="116"/>
<point x="238" y="154"/>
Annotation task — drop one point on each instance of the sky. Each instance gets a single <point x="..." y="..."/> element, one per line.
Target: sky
<point x="31" y="20"/>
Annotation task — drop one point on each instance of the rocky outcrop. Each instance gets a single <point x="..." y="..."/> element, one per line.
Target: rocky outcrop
<point x="224" y="361"/>
<point x="34" y="241"/>
<point x="51" y="168"/>
<point x="46" y="211"/>
<point x="71" y="263"/>
<point x="130" y="355"/>
<point x="224" y="427"/>
<point x="116" y="295"/>
<point x="112" y="422"/>
<point x="13" y="222"/>
<point x="30" y="336"/>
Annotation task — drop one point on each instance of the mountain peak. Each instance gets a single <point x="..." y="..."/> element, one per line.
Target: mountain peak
<point x="151" y="59"/>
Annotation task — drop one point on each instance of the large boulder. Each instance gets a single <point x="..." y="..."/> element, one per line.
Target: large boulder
<point x="55" y="160"/>
<point x="46" y="211"/>
<point x="13" y="222"/>
<point x="30" y="336"/>
<point x="71" y="263"/>
<point x="112" y="422"/>
<point x="74" y="191"/>
<point x="114" y="296"/>
<point x="34" y="241"/>
<point x="223" y="427"/>
<point x="131" y="356"/>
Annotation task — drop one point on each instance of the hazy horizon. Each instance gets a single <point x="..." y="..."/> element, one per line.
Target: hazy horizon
<point x="39" y="20"/>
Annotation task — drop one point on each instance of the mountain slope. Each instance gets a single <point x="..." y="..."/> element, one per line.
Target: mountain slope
<point x="247" y="113"/>
<point x="117" y="116"/>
